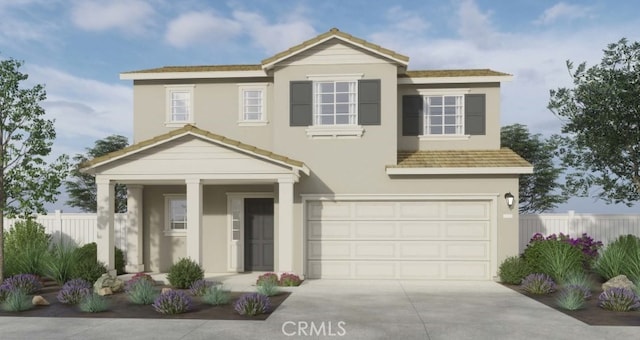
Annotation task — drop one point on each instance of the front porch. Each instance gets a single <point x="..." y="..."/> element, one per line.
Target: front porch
<point x="190" y="163"/>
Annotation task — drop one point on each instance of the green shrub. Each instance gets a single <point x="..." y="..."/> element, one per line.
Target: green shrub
<point x="17" y="301"/>
<point x="620" y="257"/>
<point x="184" y="273"/>
<point x="25" y="248"/>
<point x="61" y="263"/>
<point x="141" y="291"/>
<point x="571" y="298"/>
<point x="513" y="269"/>
<point x="94" y="303"/>
<point x="216" y="295"/>
<point x="268" y="288"/>
<point x="560" y="259"/>
<point x="87" y="266"/>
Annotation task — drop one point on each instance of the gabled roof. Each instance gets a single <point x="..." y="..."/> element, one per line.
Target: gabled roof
<point x="331" y="34"/>
<point x="485" y="72"/>
<point x="194" y="131"/>
<point x="502" y="161"/>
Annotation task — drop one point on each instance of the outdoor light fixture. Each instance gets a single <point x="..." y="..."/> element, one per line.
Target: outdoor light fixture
<point x="509" y="198"/>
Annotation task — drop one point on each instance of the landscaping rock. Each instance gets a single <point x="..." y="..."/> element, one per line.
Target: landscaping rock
<point x="620" y="281"/>
<point x="165" y="290"/>
<point x="108" y="281"/>
<point x="39" y="301"/>
<point x="105" y="291"/>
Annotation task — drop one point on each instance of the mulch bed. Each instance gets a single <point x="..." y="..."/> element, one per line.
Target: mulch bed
<point x="120" y="307"/>
<point x="591" y="314"/>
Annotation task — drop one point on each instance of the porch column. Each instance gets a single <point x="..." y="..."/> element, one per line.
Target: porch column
<point x="134" y="229"/>
<point x="194" y="219"/>
<point x="105" y="200"/>
<point x="285" y="225"/>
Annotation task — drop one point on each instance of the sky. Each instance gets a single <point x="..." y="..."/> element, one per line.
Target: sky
<point x="78" y="48"/>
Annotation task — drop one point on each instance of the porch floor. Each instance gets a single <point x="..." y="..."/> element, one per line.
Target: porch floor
<point x="239" y="282"/>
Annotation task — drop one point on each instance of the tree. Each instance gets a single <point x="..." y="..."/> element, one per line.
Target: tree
<point x="538" y="191"/>
<point x="601" y="125"/>
<point x="26" y="137"/>
<point x="82" y="187"/>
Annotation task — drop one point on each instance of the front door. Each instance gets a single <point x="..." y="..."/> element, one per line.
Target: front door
<point x="258" y="234"/>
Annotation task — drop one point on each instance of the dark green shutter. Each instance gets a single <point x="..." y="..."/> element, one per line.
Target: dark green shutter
<point x="301" y="103"/>
<point x="369" y="102"/>
<point x="412" y="115"/>
<point x="475" y="114"/>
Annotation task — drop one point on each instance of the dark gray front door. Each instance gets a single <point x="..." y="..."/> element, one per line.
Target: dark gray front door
<point x="258" y="234"/>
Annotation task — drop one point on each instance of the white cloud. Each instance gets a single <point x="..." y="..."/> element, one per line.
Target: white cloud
<point x="84" y="109"/>
<point x="133" y="16"/>
<point x="195" y="27"/>
<point x="404" y="20"/>
<point x="276" y="37"/>
<point x="563" y="10"/>
<point x="476" y="26"/>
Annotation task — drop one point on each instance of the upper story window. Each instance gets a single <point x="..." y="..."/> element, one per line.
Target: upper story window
<point x="253" y="104"/>
<point x="444" y="114"/>
<point x="179" y="105"/>
<point x="335" y="103"/>
<point x="175" y="214"/>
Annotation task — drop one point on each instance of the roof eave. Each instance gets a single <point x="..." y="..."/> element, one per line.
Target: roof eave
<point x="192" y="75"/>
<point x="455" y="80"/>
<point x="269" y="65"/>
<point x="459" y="171"/>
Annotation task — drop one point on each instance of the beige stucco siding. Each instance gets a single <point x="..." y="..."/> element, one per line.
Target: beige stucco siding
<point x="216" y="109"/>
<point x="161" y="251"/>
<point x="489" y="141"/>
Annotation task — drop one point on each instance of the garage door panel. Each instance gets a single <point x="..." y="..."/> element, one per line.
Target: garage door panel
<point x="467" y="251"/>
<point x="420" y="250"/>
<point x="420" y="210"/>
<point x="374" y="230"/>
<point x="467" y="270"/>
<point x="374" y="270"/>
<point x="468" y="230"/>
<point x="328" y="230"/>
<point x="375" y="210"/>
<point x="374" y="250"/>
<point x="329" y="250"/>
<point x="470" y="210"/>
<point x="327" y="210"/>
<point x="420" y="270"/>
<point x="420" y="230"/>
<point x="330" y="269"/>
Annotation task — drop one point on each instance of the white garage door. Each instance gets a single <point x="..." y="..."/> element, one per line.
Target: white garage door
<point x="399" y="239"/>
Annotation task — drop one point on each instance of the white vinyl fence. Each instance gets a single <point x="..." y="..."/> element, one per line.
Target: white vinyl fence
<point x="601" y="227"/>
<point x="81" y="227"/>
<point x="77" y="227"/>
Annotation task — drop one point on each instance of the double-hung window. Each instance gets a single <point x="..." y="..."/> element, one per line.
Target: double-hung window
<point x="179" y="105"/>
<point x="444" y="115"/>
<point x="253" y="104"/>
<point x="335" y="103"/>
<point x="175" y="214"/>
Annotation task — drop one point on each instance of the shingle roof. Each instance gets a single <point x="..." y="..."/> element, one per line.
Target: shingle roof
<point x="460" y="159"/>
<point x="452" y="73"/>
<point x="337" y="33"/>
<point x="197" y="132"/>
<point x="200" y="68"/>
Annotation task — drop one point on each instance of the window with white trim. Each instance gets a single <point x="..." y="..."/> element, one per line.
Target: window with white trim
<point x="444" y="115"/>
<point x="335" y="103"/>
<point x="253" y="104"/>
<point x="179" y="105"/>
<point x="175" y="214"/>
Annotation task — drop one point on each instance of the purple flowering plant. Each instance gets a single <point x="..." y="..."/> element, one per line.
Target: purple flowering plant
<point x="253" y="304"/>
<point x="173" y="302"/>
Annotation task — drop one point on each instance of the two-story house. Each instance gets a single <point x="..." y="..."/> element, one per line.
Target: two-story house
<point x="329" y="160"/>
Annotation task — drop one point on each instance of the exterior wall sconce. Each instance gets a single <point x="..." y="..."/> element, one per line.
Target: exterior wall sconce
<point x="510" y="199"/>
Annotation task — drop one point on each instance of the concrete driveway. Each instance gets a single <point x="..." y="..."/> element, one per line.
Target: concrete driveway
<point x="352" y="310"/>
